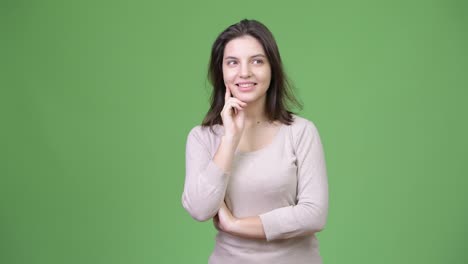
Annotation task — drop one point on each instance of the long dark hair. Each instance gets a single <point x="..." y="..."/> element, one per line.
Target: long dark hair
<point x="279" y="95"/>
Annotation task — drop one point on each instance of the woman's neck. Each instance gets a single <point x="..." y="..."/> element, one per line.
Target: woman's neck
<point x="255" y="113"/>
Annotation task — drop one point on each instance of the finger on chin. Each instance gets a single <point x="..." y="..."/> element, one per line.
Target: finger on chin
<point x="228" y="93"/>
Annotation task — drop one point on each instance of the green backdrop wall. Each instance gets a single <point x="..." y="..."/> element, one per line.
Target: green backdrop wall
<point x="97" y="98"/>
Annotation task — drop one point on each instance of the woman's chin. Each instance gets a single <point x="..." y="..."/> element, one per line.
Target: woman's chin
<point x="246" y="98"/>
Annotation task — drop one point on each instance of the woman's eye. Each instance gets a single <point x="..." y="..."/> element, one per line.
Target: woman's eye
<point x="231" y="63"/>
<point x="257" y="61"/>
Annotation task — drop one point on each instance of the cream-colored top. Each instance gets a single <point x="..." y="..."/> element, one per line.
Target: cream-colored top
<point x="285" y="183"/>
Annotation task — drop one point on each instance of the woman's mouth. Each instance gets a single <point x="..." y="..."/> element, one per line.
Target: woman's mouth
<point x="246" y="86"/>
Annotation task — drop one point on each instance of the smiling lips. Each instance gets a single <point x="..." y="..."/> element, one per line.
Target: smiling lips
<point x="246" y="86"/>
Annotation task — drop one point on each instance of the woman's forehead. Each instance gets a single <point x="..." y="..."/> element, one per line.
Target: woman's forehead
<point x="245" y="46"/>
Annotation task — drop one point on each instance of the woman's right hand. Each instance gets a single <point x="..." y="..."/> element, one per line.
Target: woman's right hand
<point x="233" y="115"/>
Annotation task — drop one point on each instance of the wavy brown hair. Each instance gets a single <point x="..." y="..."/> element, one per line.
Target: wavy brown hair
<point x="279" y="97"/>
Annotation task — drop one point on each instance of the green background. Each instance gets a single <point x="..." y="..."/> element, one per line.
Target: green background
<point x="97" y="99"/>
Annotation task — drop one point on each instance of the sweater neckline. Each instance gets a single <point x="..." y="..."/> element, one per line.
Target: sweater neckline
<point x="269" y="145"/>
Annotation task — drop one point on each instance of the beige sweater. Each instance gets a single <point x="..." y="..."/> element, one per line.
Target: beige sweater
<point x="285" y="183"/>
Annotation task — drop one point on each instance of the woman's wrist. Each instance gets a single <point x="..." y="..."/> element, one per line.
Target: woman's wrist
<point x="250" y="227"/>
<point x="233" y="226"/>
<point x="230" y="141"/>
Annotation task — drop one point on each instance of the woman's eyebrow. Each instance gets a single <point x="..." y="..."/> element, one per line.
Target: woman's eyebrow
<point x="258" y="55"/>
<point x="253" y="56"/>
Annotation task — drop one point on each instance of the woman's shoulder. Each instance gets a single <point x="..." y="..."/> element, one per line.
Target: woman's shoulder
<point x="206" y="133"/>
<point x="301" y="123"/>
<point x="302" y="127"/>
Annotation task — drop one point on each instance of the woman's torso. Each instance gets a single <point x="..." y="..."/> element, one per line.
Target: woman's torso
<point x="261" y="181"/>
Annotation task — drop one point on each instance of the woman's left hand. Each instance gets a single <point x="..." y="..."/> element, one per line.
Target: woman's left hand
<point x="224" y="220"/>
<point x="248" y="227"/>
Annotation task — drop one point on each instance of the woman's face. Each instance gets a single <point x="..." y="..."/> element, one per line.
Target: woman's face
<point x="246" y="70"/>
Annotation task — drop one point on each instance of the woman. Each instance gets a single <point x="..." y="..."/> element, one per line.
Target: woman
<point x="255" y="168"/>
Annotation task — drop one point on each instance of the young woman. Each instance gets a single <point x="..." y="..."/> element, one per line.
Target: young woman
<point x="254" y="167"/>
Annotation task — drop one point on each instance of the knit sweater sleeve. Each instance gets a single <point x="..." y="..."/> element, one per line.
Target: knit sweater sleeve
<point x="205" y="182"/>
<point x="309" y="214"/>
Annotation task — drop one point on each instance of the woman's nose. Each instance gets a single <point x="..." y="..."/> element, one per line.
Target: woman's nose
<point x="245" y="71"/>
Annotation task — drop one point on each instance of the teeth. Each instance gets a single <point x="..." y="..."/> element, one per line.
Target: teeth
<point x="245" y="85"/>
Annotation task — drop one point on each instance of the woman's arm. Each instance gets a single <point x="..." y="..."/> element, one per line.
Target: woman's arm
<point x="206" y="178"/>
<point x="309" y="215"/>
